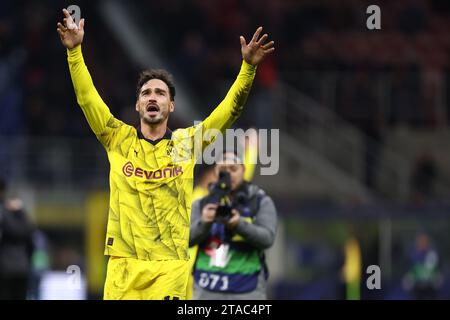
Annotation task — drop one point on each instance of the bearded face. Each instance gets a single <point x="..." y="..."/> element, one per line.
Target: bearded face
<point x="154" y="103"/>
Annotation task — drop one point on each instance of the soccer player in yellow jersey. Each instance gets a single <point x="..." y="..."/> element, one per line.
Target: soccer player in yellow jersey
<point x="151" y="170"/>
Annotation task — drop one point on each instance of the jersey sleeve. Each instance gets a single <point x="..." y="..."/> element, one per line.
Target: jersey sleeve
<point x="102" y="122"/>
<point x="226" y="113"/>
<point x="250" y="159"/>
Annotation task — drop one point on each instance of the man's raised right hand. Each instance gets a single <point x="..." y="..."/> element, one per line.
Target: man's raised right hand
<point x="70" y="34"/>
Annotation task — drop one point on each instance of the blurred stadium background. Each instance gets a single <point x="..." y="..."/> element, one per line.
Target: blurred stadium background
<point x="363" y="118"/>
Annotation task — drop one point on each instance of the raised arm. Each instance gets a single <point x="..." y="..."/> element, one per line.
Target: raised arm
<point x="95" y="110"/>
<point x="231" y="107"/>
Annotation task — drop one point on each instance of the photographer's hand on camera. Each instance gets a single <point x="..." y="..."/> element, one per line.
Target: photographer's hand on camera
<point x="209" y="213"/>
<point x="234" y="220"/>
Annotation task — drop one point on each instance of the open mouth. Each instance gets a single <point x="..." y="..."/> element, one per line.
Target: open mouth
<point x="152" y="109"/>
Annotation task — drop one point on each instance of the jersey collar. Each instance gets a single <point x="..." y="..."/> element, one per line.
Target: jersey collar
<point x="167" y="135"/>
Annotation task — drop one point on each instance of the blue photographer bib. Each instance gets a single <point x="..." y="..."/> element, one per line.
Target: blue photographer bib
<point x="225" y="262"/>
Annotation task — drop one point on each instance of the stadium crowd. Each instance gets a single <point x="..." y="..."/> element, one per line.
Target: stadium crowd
<point x="318" y="37"/>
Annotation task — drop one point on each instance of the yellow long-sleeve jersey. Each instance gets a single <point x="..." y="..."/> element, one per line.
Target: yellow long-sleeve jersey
<point x="151" y="182"/>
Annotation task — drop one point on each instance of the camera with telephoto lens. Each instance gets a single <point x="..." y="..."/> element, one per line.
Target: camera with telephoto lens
<point x="220" y="194"/>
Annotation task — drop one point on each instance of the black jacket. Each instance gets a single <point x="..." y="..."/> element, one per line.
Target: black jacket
<point x="260" y="234"/>
<point x="15" y="242"/>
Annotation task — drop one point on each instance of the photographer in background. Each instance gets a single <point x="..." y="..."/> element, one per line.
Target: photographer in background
<point x="16" y="248"/>
<point x="232" y="225"/>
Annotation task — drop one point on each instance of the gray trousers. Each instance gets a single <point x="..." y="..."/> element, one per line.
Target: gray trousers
<point x="258" y="294"/>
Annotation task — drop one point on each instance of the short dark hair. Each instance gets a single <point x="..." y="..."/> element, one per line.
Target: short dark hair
<point x="160" y="74"/>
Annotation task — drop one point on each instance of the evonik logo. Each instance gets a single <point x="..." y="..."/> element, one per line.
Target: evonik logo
<point x="168" y="172"/>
